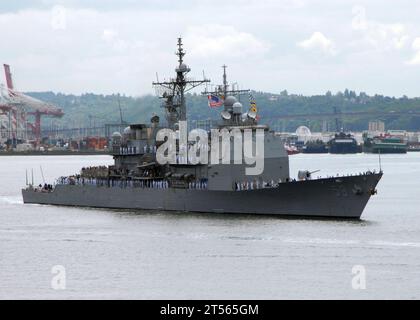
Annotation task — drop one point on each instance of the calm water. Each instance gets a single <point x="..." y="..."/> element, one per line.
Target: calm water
<point x="121" y="254"/>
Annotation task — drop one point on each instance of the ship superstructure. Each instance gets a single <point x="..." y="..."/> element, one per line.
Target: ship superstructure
<point x="135" y="150"/>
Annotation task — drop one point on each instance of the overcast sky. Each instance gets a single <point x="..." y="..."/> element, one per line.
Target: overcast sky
<point x="304" y="46"/>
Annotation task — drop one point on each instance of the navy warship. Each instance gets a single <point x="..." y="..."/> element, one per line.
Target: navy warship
<point x="140" y="179"/>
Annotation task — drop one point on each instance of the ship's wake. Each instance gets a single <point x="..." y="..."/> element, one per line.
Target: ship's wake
<point x="371" y="243"/>
<point x="11" y="200"/>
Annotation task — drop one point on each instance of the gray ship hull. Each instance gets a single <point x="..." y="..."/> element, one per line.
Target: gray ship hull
<point x="343" y="197"/>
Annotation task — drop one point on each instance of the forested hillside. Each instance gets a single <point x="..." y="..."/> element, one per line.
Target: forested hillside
<point x="95" y="109"/>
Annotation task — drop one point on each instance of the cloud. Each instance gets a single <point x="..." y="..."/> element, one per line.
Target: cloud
<point x="58" y="18"/>
<point x="318" y="41"/>
<point x="381" y="36"/>
<point x="416" y="47"/>
<point x="416" y="44"/>
<point x="109" y="35"/>
<point x="96" y="44"/>
<point x="223" y="41"/>
<point x="108" y="46"/>
<point x="80" y="54"/>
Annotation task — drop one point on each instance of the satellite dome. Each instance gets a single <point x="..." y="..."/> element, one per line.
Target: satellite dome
<point x="116" y="134"/>
<point x="237" y="108"/>
<point x="230" y="101"/>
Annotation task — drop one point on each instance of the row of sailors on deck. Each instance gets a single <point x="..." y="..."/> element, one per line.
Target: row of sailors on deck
<point x="155" y="184"/>
<point x="159" y="184"/>
<point x="150" y="183"/>
<point x="152" y="149"/>
<point x="101" y="171"/>
<point x="78" y="180"/>
<point x="254" y="185"/>
<point x="133" y="150"/>
<point x="200" y="185"/>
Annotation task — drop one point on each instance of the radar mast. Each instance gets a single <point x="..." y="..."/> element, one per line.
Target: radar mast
<point x="173" y="91"/>
<point x="232" y="114"/>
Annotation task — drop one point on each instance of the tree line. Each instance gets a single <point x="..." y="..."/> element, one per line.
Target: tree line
<point x="97" y="109"/>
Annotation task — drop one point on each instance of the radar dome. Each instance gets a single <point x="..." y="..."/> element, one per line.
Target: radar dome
<point x="230" y="101"/>
<point x="183" y="68"/>
<point x="237" y="108"/>
<point x="116" y="135"/>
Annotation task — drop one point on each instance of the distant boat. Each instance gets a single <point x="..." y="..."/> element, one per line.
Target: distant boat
<point x="291" y="149"/>
<point x="343" y="143"/>
<point x="384" y="143"/>
<point x="317" y="146"/>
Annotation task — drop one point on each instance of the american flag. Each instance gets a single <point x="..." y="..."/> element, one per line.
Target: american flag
<point x="214" y="101"/>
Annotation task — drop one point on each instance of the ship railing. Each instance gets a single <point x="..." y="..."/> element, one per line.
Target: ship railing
<point x="255" y="185"/>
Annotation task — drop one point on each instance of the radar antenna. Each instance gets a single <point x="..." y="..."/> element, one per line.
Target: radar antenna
<point x="227" y="92"/>
<point x="173" y="91"/>
<point x="224" y="90"/>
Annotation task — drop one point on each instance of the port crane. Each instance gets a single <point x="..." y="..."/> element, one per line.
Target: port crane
<point x="18" y="105"/>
